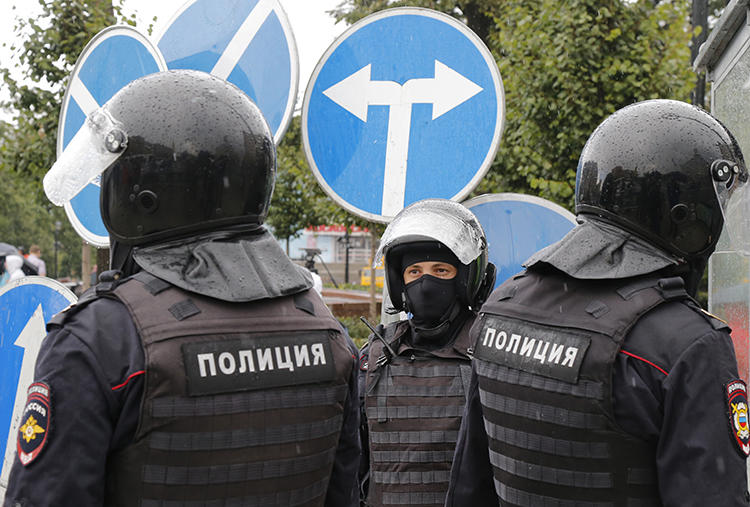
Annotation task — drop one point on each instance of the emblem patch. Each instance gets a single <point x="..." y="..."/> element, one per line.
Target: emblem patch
<point x="33" y="432"/>
<point x="363" y="362"/>
<point x="736" y="392"/>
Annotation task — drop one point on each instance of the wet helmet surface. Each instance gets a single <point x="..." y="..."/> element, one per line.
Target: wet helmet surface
<point x="199" y="156"/>
<point x="648" y="169"/>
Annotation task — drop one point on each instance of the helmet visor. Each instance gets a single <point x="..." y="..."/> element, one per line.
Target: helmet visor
<point x="447" y="222"/>
<point x="97" y="144"/>
<point x="733" y="193"/>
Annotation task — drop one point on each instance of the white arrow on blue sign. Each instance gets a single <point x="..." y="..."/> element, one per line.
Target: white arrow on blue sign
<point x="517" y="226"/>
<point x="248" y="43"/>
<point x="113" y="58"/>
<point x="26" y="305"/>
<point x="407" y="104"/>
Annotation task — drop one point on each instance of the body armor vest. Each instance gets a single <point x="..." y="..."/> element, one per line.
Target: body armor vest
<point x="544" y="357"/>
<point x="414" y="405"/>
<point x="242" y="403"/>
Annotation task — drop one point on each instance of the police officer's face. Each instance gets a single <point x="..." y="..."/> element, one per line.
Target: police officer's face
<point x="437" y="269"/>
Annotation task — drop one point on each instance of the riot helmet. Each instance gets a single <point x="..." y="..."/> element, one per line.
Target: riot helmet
<point x="179" y="152"/>
<point x="429" y="226"/>
<point x="651" y="169"/>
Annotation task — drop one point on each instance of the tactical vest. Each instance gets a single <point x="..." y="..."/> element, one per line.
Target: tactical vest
<point x="242" y="403"/>
<point x="544" y="357"/>
<point x="414" y="407"/>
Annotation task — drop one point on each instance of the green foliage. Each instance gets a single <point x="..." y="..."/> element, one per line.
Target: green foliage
<point x="357" y="330"/>
<point x="297" y="200"/>
<point x="566" y="66"/>
<point x="52" y="42"/>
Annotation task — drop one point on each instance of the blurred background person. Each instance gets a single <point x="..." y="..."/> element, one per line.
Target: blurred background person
<point x="35" y="258"/>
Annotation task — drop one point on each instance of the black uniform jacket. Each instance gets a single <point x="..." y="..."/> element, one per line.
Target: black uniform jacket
<point x="94" y="366"/>
<point x="669" y="383"/>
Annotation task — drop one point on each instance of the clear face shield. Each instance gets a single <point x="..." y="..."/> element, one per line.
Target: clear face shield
<point x="98" y="144"/>
<point x="448" y="222"/>
<point x="730" y="184"/>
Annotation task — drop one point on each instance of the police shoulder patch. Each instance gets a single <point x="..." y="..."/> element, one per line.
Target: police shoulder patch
<point x="33" y="432"/>
<point x="736" y="393"/>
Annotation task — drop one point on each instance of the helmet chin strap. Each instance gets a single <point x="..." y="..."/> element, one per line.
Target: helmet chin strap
<point x="692" y="273"/>
<point x="121" y="258"/>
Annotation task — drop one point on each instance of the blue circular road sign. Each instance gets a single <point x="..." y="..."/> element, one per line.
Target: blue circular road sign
<point x="406" y="104"/>
<point x="517" y="226"/>
<point x="113" y="58"/>
<point x="248" y="43"/>
<point x="26" y="305"/>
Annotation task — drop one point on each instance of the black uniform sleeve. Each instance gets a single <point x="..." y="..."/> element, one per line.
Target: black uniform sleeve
<point x="471" y="479"/>
<point x="680" y="404"/>
<point x="342" y="489"/>
<point x="88" y="365"/>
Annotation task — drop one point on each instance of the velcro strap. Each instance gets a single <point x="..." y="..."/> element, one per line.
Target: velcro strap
<point x="152" y="284"/>
<point x="184" y="309"/>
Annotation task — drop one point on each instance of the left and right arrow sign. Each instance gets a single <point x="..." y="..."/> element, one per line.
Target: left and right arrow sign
<point x="445" y="91"/>
<point x="407" y="104"/>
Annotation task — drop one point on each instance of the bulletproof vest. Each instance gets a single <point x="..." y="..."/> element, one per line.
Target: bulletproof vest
<point x="544" y="357"/>
<point x="242" y="403"/>
<point x="414" y="403"/>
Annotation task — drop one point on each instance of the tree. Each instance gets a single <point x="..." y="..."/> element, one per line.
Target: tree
<point x="52" y="42"/>
<point x="565" y="67"/>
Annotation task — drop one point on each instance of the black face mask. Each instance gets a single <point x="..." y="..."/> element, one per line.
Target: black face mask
<point x="430" y="300"/>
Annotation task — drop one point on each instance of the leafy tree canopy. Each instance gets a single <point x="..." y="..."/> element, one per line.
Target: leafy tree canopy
<point x="51" y="44"/>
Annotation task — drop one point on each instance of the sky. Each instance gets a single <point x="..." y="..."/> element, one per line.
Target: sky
<point x="314" y="30"/>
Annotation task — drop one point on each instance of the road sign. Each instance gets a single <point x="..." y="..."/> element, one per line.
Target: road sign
<point x="518" y="225"/>
<point x="406" y="104"/>
<point x="113" y="58"/>
<point x="26" y="305"/>
<point x="249" y="43"/>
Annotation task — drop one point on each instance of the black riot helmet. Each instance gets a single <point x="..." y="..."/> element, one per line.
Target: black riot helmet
<point x="429" y="226"/>
<point x="650" y="168"/>
<point x="182" y="152"/>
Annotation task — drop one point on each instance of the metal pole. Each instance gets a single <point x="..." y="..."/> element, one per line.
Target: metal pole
<point x="346" y="255"/>
<point x="699" y="18"/>
<point x="58" y="225"/>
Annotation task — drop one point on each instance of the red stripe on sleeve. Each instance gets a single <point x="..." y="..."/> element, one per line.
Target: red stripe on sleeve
<point x="128" y="380"/>
<point x="665" y="372"/>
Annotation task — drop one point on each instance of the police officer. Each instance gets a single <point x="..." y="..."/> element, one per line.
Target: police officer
<point x="416" y="371"/>
<point x="597" y="379"/>
<point x="204" y="371"/>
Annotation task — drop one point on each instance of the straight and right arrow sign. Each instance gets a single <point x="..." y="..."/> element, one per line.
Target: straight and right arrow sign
<point x="407" y="104"/>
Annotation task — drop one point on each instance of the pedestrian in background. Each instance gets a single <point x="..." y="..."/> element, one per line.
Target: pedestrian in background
<point x="13" y="265"/>
<point x="35" y="258"/>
